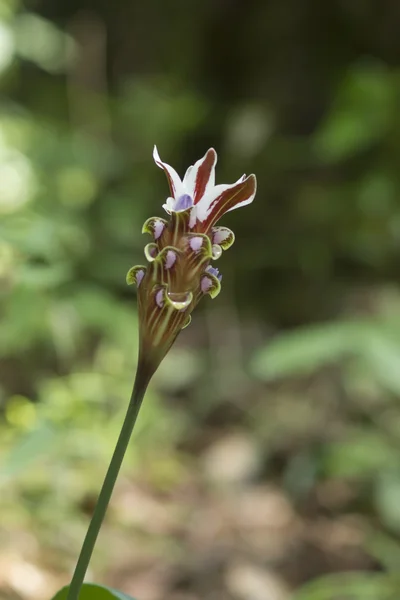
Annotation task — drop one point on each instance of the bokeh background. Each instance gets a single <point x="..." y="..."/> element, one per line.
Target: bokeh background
<point x="266" y="461"/>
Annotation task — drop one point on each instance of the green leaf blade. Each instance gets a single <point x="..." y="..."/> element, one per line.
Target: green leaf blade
<point x="92" y="591"/>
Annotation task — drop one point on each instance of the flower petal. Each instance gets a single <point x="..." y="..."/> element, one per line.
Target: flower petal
<point x="169" y="204"/>
<point x="155" y="226"/>
<point x="224" y="198"/>
<point x="187" y="322"/>
<point x="210" y="284"/>
<point x="179" y="301"/>
<point x="222" y="236"/>
<point x="200" y="178"/>
<point x="135" y="275"/>
<point x="196" y="242"/>
<point x="159" y="297"/>
<point x="216" y="251"/>
<point x="183" y="203"/>
<point x="151" y="251"/>
<point x="175" y="183"/>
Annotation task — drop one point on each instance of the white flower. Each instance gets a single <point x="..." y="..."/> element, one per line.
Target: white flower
<point x="198" y="192"/>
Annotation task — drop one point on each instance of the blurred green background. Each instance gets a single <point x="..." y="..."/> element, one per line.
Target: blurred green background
<point x="266" y="462"/>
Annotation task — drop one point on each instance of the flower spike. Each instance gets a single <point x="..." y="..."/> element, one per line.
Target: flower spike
<point x="179" y="272"/>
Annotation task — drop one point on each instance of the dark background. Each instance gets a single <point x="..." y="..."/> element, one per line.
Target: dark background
<point x="266" y="462"/>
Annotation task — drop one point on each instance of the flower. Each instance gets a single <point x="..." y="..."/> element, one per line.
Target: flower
<point x="179" y="273"/>
<point x="197" y="190"/>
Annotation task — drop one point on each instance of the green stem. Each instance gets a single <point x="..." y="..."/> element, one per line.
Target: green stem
<point x="138" y="392"/>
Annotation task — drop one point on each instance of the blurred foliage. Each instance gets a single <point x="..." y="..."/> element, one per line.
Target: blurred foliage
<point x="267" y="454"/>
<point x="353" y="587"/>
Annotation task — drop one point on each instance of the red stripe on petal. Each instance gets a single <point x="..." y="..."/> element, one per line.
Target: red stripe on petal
<point x="240" y="194"/>
<point x="203" y="174"/>
<point x="175" y="184"/>
<point x="171" y="184"/>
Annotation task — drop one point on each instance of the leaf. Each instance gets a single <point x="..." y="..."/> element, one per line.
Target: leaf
<point x="32" y="445"/>
<point x="387" y="499"/>
<point x="39" y="41"/>
<point x="384" y="548"/>
<point x="308" y="349"/>
<point x="360" y="114"/>
<point x="349" y="586"/>
<point x="382" y="356"/>
<point x="92" y="591"/>
<point x="361" y="455"/>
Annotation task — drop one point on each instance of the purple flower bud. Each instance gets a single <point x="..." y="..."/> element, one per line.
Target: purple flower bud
<point x="139" y="276"/>
<point x="159" y="227"/>
<point x="196" y="243"/>
<point x="171" y="259"/>
<point x="206" y="284"/>
<point x="214" y="271"/>
<point x="160" y="298"/>
<point x="183" y="202"/>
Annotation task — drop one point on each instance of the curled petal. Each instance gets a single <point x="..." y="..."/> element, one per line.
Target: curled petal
<point x="216" y="251"/>
<point x="198" y="254"/>
<point x="196" y="242"/>
<point x="168" y="256"/>
<point x="210" y="284"/>
<point x="179" y="301"/>
<point x="223" y="236"/>
<point x="135" y="275"/>
<point x="155" y="226"/>
<point x="151" y="251"/>
<point x="170" y="259"/>
<point x="175" y="183"/>
<point x="201" y="250"/>
<point x="200" y="178"/>
<point x="224" y="198"/>
<point x="187" y="322"/>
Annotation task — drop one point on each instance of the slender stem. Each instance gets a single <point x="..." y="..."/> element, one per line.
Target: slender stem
<point x="103" y="500"/>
